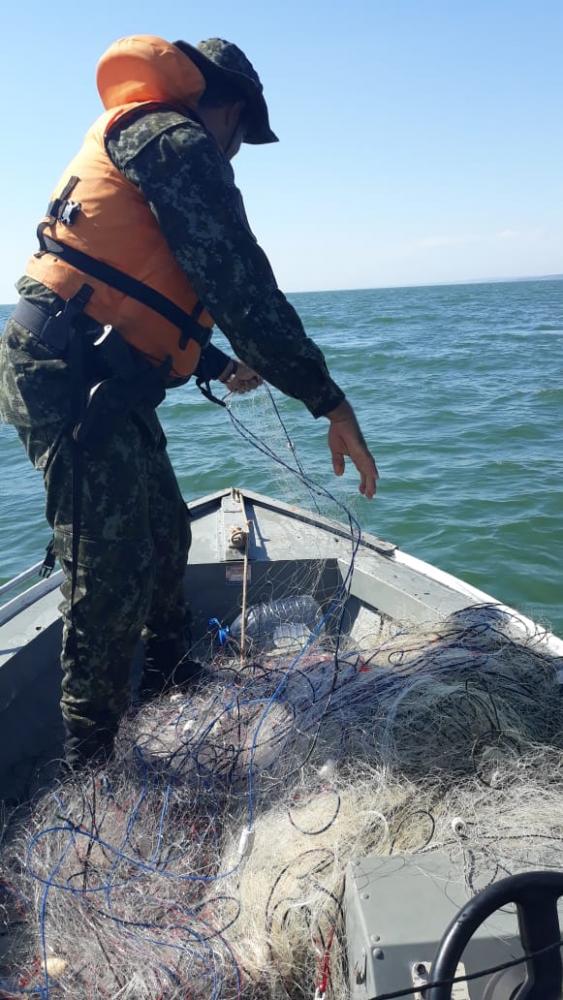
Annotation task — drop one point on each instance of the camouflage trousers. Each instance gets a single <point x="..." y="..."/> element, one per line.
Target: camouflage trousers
<point x="134" y="536"/>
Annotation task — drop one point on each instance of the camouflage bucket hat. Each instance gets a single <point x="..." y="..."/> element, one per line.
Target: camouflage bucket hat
<point x="216" y="57"/>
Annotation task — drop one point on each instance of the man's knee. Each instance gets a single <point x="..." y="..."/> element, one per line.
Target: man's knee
<point x="113" y="584"/>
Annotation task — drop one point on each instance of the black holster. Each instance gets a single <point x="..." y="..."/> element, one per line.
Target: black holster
<point x="131" y="382"/>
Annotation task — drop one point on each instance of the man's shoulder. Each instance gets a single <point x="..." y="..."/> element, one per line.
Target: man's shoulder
<point x="132" y="134"/>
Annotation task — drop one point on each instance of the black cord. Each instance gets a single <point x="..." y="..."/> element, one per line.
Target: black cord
<point x="473" y="975"/>
<point x="327" y="825"/>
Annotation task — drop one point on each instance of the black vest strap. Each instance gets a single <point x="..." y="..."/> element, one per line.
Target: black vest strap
<point x="190" y="330"/>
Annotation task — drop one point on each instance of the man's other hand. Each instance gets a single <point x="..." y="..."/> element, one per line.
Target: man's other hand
<point x="244" y="379"/>
<point x="346" y="438"/>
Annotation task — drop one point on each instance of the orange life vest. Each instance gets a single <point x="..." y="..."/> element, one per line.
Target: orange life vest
<point x="97" y="212"/>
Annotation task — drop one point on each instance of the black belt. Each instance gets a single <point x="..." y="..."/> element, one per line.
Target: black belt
<point x="51" y="329"/>
<point x="37" y="320"/>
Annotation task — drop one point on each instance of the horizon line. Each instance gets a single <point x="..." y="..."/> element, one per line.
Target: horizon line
<point x="432" y="284"/>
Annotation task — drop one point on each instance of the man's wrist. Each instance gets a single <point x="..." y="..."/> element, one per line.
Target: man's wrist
<point x="230" y="369"/>
<point x="341" y="412"/>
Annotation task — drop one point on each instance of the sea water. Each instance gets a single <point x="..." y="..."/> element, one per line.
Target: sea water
<point x="459" y="392"/>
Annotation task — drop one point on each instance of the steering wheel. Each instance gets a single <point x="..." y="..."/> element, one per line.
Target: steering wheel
<point x="536" y="895"/>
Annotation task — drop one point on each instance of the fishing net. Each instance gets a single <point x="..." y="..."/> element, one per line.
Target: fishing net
<point x="208" y="860"/>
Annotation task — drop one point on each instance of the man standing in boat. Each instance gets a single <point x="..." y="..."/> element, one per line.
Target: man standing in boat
<point x="145" y="245"/>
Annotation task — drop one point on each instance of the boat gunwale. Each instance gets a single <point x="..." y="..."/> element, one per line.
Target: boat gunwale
<point x="368" y="543"/>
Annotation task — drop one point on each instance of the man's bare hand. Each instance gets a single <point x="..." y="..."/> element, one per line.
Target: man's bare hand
<point x="244" y="379"/>
<point x="346" y="438"/>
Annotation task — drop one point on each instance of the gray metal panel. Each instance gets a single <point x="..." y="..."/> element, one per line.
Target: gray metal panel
<point x="400" y="592"/>
<point x="199" y="507"/>
<point x="24" y="600"/>
<point x="30" y="720"/>
<point x="396" y="911"/>
<point x="30" y="723"/>
<point x="273" y="537"/>
<point x="35" y="616"/>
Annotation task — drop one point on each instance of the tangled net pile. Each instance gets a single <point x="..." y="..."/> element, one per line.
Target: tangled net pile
<point x="209" y="860"/>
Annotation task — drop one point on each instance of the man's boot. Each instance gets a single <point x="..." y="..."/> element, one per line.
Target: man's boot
<point x="167" y="665"/>
<point x="87" y="749"/>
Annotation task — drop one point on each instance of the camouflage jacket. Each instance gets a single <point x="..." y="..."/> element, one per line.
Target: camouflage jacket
<point x="190" y="186"/>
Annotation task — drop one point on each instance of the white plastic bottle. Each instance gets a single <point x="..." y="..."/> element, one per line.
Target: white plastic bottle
<point x="287" y="622"/>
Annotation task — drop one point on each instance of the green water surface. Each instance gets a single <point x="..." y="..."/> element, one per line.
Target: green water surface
<point x="459" y="391"/>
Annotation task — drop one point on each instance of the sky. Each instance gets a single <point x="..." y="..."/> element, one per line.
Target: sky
<point x="421" y="141"/>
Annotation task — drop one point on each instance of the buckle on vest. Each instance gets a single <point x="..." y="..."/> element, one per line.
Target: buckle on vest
<point x="62" y="209"/>
<point x="68" y="211"/>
